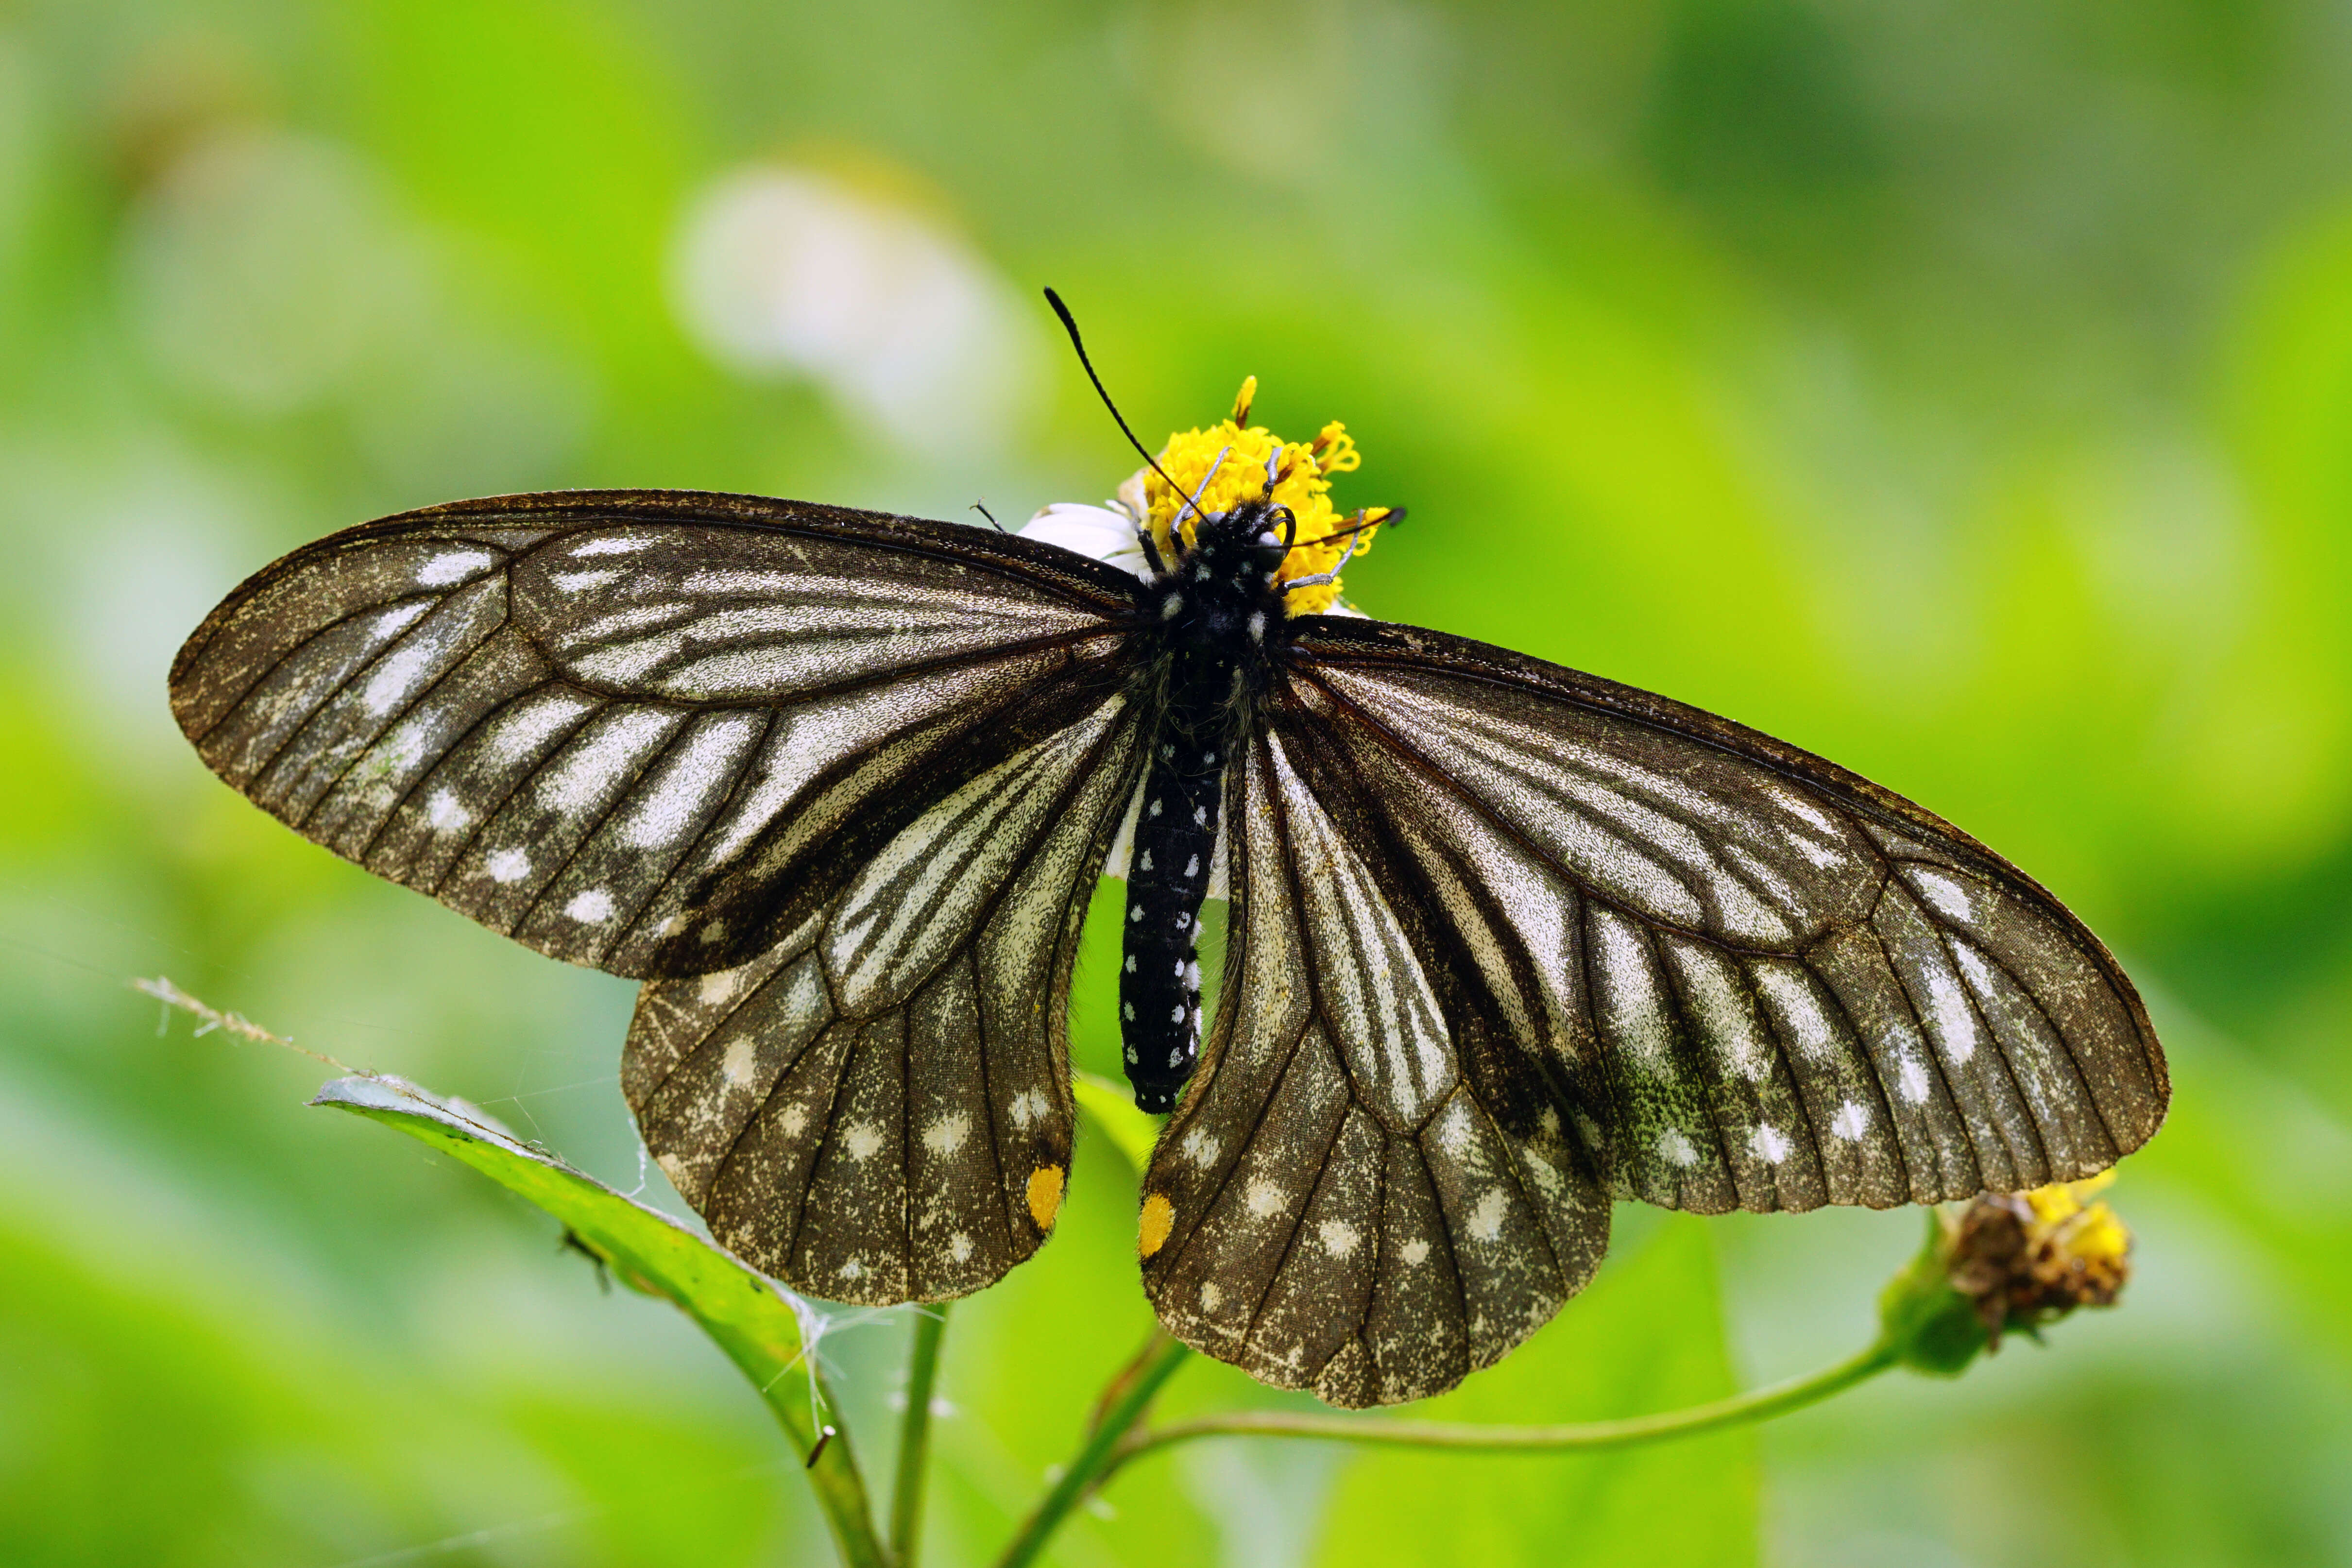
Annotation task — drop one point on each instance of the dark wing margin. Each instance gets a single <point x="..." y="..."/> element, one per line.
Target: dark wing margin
<point x="652" y="731"/>
<point x="1764" y="981"/>
<point x="878" y="1110"/>
<point x="1348" y="1200"/>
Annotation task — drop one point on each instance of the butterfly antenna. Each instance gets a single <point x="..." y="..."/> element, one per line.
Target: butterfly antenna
<point x="1070" y="325"/>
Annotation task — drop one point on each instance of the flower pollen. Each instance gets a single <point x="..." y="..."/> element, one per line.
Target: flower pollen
<point x="1238" y="450"/>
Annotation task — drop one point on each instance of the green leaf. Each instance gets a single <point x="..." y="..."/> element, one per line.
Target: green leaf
<point x="756" y="1322"/>
<point x="1112" y="1109"/>
<point x="1647" y="1336"/>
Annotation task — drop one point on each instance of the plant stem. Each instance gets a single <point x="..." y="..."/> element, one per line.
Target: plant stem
<point x="915" y="1434"/>
<point x="839" y="1486"/>
<point x="1757" y="1405"/>
<point x="1096" y="1458"/>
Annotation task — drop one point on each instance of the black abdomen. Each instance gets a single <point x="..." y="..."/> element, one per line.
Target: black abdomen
<point x="1175" y="843"/>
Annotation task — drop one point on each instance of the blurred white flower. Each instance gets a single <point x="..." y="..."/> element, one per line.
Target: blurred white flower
<point x="903" y="323"/>
<point x="266" y="268"/>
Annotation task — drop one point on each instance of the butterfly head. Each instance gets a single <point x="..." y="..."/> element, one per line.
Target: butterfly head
<point x="1254" y="505"/>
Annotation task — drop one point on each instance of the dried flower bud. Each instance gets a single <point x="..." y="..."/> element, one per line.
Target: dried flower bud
<point x="2006" y="1260"/>
<point x="2032" y="1258"/>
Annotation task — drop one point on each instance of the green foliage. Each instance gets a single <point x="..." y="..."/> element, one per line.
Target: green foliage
<point x="757" y="1328"/>
<point x="1965" y="394"/>
<point x="1936" y="1328"/>
<point x="1646" y="1336"/>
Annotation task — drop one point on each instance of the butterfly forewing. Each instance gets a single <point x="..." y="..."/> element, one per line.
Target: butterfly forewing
<point x="878" y="1110"/>
<point x="650" y="731"/>
<point x="1774" y="983"/>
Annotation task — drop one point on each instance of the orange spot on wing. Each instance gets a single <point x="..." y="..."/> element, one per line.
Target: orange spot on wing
<point x="1159" y="1219"/>
<point x="1045" y="1196"/>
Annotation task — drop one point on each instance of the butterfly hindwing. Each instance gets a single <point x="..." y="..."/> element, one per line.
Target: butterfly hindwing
<point x="878" y="1110"/>
<point x="1341" y="1203"/>
<point x="1773" y="983"/>
<point x="652" y="732"/>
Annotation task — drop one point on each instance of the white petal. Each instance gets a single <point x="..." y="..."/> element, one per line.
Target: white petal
<point x="1098" y="531"/>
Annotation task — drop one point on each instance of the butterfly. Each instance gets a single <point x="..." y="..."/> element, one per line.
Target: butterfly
<point x="1505" y="941"/>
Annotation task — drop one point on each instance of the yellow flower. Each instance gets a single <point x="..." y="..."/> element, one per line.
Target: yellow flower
<point x="1238" y="450"/>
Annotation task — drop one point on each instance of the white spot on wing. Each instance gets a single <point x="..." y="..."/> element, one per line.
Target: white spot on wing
<point x="620" y="663"/>
<point x="1946" y="894"/>
<point x="508" y="865"/>
<point x="1633" y="1008"/>
<point x="686" y="783"/>
<point x="946" y="1135"/>
<point x="1338" y="1236"/>
<point x="454" y="566"/>
<point x="586" y="773"/>
<point x="589" y="905"/>
<point x="1797" y="1011"/>
<point x="399" y="618"/>
<point x="1804" y="810"/>
<point x="443" y="812"/>
<point x="1768" y="1143"/>
<point x="1911" y="1079"/>
<point x="1850" y="1122"/>
<point x="1949" y="1013"/>
<point x="1265" y="1200"/>
<point x="614" y="544"/>
<point x="395" y="675"/>
<point x="528" y="727"/>
<point x="1674" y="1148"/>
<point x="573" y="582"/>
<point x="863" y="1140"/>
<point x="1487" y="1219"/>
<point x="1415" y="1251"/>
<point x="740" y="1061"/>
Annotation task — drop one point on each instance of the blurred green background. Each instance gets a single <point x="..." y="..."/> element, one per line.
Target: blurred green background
<point x="1962" y="391"/>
